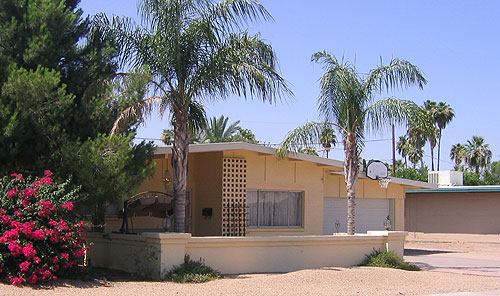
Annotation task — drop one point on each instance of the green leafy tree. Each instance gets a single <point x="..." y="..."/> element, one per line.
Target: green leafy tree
<point x="420" y="174"/>
<point x="309" y="150"/>
<point x="33" y="124"/>
<point x="109" y="169"/>
<point x="495" y="169"/>
<point x="56" y="90"/>
<point x="347" y="103"/>
<point x="47" y="46"/>
<point x="197" y="52"/>
<point x="480" y="179"/>
<point x="245" y="135"/>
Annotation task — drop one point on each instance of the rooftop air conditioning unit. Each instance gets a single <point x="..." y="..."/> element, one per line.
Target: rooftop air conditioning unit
<point x="446" y="178"/>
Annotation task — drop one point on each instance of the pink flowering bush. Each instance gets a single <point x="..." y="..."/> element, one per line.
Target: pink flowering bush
<point x="40" y="236"/>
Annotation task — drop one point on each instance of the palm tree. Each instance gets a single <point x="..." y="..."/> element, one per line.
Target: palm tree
<point x="328" y="140"/>
<point x="477" y="153"/>
<point x="415" y="155"/>
<point x="218" y="131"/>
<point x="457" y="153"/>
<point x="428" y="128"/>
<point x="347" y="102"/>
<point x="443" y="115"/>
<point x="196" y="52"/>
<point x="403" y="147"/>
<point x="422" y="128"/>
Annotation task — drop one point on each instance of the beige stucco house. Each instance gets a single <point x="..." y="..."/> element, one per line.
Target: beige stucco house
<point x="237" y="189"/>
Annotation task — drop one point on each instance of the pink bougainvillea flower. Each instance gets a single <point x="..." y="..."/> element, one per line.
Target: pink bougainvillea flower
<point x="47" y="181"/>
<point x="30" y="192"/>
<point x="12" y="193"/>
<point x="80" y="253"/>
<point x="65" y="256"/>
<point x="48" y="173"/>
<point x="27" y="227"/>
<point x="15" y="249"/>
<point x="33" y="279"/>
<point x="5" y="219"/>
<point x="14" y="224"/>
<point x="37" y="260"/>
<point x="17" y="281"/>
<point x="44" y="213"/>
<point x="29" y="251"/>
<point x="24" y="266"/>
<point x="26" y="202"/>
<point x="19" y="176"/>
<point x="11" y="234"/>
<point x="68" y="206"/>
<point x="38" y="234"/>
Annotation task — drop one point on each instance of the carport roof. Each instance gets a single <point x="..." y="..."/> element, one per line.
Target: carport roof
<point x="458" y="189"/>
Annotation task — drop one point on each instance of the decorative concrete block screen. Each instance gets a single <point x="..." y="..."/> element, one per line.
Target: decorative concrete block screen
<point x="234" y="196"/>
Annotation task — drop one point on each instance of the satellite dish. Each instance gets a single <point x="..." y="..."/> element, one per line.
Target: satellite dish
<point x="377" y="170"/>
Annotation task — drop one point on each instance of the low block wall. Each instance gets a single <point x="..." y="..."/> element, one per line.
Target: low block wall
<point x="231" y="255"/>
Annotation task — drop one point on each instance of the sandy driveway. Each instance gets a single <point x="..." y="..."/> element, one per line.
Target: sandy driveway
<point x="459" y="253"/>
<point x="328" y="281"/>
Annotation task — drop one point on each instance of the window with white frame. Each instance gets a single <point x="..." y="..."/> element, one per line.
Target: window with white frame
<point x="274" y="208"/>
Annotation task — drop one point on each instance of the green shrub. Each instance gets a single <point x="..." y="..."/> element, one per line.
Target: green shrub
<point x="192" y="272"/>
<point x="387" y="260"/>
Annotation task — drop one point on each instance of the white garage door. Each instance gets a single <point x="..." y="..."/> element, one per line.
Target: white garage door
<point x="370" y="214"/>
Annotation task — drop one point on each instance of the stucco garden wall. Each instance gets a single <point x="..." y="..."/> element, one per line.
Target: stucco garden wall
<point x="233" y="255"/>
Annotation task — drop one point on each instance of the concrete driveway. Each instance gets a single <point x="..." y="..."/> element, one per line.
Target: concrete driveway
<point x="464" y="254"/>
<point x="452" y="261"/>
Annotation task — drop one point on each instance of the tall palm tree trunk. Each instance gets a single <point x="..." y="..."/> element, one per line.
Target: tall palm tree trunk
<point x="432" y="156"/>
<point x="439" y="149"/>
<point x="351" y="170"/>
<point x="180" y="152"/>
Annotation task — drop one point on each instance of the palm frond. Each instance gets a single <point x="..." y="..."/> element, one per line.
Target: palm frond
<point x="305" y="136"/>
<point x="342" y="99"/>
<point x="197" y="117"/>
<point x="382" y="114"/>
<point x="398" y="74"/>
<point x="136" y="113"/>
<point x="234" y="13"/>
<point x="244" y="65"/>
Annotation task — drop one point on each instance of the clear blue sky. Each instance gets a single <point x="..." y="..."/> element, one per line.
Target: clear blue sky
<point x="455" y="43"/>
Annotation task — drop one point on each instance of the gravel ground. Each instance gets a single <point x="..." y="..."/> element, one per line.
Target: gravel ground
<point x="328" y="281"/>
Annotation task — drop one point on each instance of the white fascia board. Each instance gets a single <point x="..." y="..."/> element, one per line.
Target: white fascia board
<point x="195" y="148"/>
<point x="396" y="180"/>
